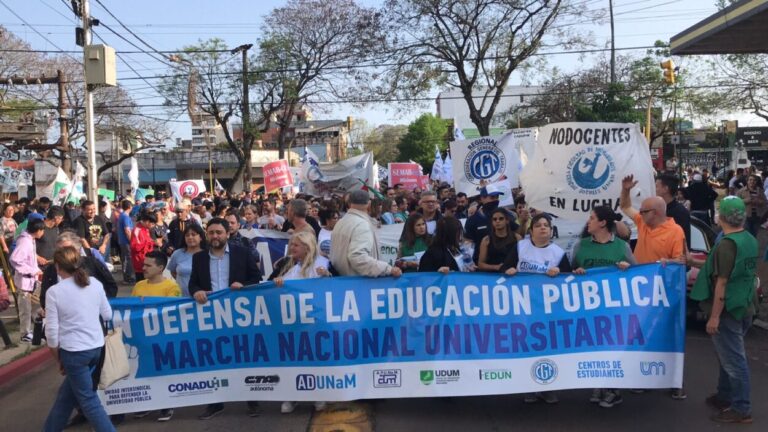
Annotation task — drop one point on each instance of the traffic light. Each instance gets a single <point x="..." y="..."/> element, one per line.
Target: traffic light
<point x="669" y="71"/>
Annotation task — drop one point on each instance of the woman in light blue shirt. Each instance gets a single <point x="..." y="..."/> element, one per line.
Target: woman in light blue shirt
<point x="180" y="264"/>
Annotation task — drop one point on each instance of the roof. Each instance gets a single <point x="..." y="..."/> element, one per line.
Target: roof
<point x="738" y="29"/>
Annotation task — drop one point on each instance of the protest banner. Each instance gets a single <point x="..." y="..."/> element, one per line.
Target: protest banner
<point x="108" y="194"/>
<point x="578" y="166"/>
<point x="420" y="335"/>
<point x="488" y="159"/>
<point x="347" y="175"/>
<point x="188" y="188"/>
<point x="407" y="174"/>
<point x="277" y="175"/>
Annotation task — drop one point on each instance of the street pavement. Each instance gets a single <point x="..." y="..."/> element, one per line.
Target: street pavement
<point x="24" y="406"/>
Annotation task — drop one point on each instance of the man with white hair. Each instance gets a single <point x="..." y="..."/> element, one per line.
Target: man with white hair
<point x="354" y="248"/>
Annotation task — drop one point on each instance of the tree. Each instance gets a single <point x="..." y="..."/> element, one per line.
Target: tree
<point x="383" y="141"/>
<point x="418" y="144"/>
<point x="613" y="105"/>
<point x="309" y="51"/>
<point x="210" y="87"/>
<point x="471" y="45"/>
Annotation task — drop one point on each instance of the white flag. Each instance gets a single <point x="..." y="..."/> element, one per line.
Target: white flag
<point x="457" y="133"/>
<point x="448" y="169"/>
<point x="437" y="167"/>
<point x="186" y="188"/>
<point x="133" y="175"/>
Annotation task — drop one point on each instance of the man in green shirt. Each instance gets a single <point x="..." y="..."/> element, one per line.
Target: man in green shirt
<point x="726" y="283"/>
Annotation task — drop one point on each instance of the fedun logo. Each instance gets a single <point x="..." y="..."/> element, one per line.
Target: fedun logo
<point x="484" y="161"/>
<point x="495" y="374"/>
<point x="544" y="371"/>
<point x="306" y="382"/>
<point x="653" y="368"/>
<point x="427" y="376"/>
<point x="591" y="171"/>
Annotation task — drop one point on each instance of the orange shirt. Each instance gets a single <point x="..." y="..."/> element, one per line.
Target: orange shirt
<point x="653" y="244"/>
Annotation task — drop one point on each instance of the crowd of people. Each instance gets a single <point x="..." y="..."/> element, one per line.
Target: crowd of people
<point x="204" y="243"/>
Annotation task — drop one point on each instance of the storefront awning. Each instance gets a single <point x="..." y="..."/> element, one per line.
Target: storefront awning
<point x="741" y="28"/>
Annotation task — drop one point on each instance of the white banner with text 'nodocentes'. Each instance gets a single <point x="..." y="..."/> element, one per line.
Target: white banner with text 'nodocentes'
<point x="578" y="166"/>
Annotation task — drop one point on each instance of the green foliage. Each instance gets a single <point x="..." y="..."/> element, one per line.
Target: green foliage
<point x="614" y="105"/>
<point x="418" y="144"/>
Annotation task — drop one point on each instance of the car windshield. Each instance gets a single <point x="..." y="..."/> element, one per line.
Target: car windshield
<point x="698" y="240"/>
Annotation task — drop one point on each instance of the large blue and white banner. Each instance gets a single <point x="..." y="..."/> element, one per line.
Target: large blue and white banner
<point x="420" y="335"/>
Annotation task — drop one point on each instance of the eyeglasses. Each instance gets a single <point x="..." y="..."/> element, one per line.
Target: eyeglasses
<point x="645" y="211"/>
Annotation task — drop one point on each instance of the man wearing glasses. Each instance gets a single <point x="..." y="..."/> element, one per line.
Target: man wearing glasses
<point x="659" y="238"/>
<point x="430" y="208"/>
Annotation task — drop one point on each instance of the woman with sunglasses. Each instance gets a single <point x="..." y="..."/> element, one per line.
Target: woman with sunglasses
<point x="499" y="244"/>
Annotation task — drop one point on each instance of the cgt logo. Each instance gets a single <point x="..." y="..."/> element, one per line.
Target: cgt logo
<point x="306" y="382"/>
<point x="544" y="371"/>
<point x="387" y="378"/>
<point x="653" y="368"/>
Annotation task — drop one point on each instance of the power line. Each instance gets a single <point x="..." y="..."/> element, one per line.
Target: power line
<point x="131" y="31"/>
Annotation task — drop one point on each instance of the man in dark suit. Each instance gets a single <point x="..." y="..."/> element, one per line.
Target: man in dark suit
<point x="220" y="267"/>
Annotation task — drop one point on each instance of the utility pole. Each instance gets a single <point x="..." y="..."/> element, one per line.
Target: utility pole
<point x="66" y="157"/>
<point x="613" y="45"/>
<point x="246" y="109"/>
<point x="90" y="140"/>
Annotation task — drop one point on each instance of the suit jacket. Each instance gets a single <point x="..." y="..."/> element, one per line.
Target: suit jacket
<point x="243" y="268"/>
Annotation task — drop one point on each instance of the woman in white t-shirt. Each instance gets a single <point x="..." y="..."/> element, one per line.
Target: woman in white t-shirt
<point x="302" y="262"/>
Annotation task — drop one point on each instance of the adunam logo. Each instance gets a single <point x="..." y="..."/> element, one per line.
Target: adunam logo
<point x="484" y="161"/>
<point x="387" y="378"/>
<point x="544" y="371"/>
<point x="197" y="387"/>
<point x="591" y="171"/>
<point x="306" y="382"/>
<point x="439" y="376"/>
<point x="653" y="368"/>
<point x="262" y="382"/>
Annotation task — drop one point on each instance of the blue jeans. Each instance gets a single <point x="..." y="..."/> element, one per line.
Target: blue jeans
<point x="77" y="390"/>
<point x="733" y="383"/>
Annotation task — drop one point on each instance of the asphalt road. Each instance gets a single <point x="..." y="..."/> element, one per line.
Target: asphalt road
<point x="25" y="404"/>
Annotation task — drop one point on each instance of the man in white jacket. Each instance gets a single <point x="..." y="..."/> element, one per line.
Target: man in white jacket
<point x="354" y="248"/>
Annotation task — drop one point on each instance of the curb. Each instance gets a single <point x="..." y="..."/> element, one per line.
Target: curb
<point x="23" y="366"/>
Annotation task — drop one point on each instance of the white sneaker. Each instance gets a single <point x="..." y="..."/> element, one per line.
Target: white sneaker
<point x="320" y="406"/>
<point x="287" y="407"/>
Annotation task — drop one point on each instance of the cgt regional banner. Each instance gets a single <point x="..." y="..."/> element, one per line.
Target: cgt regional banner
<point x="578" y="166"/>
<point x="420" y="335"/>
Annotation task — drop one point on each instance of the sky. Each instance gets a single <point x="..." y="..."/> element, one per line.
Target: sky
<point x="172" y="24"/>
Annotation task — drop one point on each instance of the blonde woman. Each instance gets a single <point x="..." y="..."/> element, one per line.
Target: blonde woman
<point x="302" y="262"/>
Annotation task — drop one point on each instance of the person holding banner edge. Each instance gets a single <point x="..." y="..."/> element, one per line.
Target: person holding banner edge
<point x="220" y="267"/>
<point x="659" y="238"/>
<point x="302" y="262"/>
<point x="600" y="248"/>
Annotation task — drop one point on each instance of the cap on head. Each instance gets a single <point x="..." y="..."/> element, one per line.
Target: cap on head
<point x="35" y="216"/>
<point x="731" y="206"/>
<point x="697" y="177"/>
<point x="490" y="190"/>
<point x="359" y="197"/>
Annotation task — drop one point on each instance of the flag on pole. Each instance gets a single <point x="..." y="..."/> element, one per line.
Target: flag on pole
<point x="457" y="133"/>
<point x="133" y="175"/>
<point x="448" y="169"/>
<point x="437" y="167"/>
<point x="371" y="190"/>
<point x="218" y="187"/>
<point x="188" y="188"/>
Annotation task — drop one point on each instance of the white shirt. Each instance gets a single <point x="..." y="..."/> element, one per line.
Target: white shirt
<point x="295" y="271"/>
<point x="72" y="315"/>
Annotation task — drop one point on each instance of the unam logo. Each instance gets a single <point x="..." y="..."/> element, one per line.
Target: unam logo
<point x="484" y="161"/>
<point x="591" y="171"/>
<point x="653" y="368"/>
<point x="544" y="371"/>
